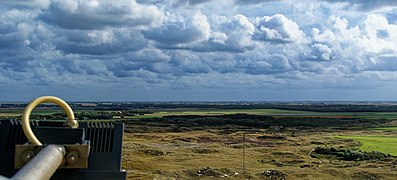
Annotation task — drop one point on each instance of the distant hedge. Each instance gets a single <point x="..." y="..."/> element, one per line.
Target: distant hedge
<point x="259" y="121"/>
<point x="350" y="155"/>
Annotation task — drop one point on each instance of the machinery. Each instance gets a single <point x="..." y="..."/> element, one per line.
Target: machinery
<point x="58" y="150"/>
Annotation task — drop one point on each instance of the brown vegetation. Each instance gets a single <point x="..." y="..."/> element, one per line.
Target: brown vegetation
<point x="218" y="153"/>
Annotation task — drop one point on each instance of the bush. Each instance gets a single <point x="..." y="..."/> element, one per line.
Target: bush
<point x="350" y="155"/>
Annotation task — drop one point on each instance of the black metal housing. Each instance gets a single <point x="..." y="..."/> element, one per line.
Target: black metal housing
<point x="105" y="138"/>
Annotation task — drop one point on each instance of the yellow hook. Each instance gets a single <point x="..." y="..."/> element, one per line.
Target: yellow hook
<point x="45" y="99"/>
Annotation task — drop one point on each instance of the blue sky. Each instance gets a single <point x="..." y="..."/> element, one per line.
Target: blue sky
<point x="204" y="50"/>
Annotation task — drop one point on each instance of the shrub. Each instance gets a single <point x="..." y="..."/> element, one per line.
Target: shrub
<point x="350" y="155"/>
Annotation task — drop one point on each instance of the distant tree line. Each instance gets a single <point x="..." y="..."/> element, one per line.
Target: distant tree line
<point x="89" y="115"/>
<point x="339" y="108"/>
<point x="149" y="106"/>
<point x="136" y="112"/>
<point x="257" y="121"/>
<point x="316" y="107"/>
<point x="94" y="115"/>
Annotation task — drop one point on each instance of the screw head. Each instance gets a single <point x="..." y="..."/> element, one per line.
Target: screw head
<point x="72" y="158"/>
<point x="27" y="156"/>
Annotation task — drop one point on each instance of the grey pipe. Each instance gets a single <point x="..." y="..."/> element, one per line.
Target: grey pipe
<point x="3" y="178"/>
<point x="43" y="165"/>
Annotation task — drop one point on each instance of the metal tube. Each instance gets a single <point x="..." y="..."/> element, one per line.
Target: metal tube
<point x="43" y="165"/>
<point x="3" y="178"/>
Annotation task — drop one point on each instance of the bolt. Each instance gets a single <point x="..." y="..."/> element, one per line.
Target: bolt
<point x="27" y="156"/>
<point x="72" y="158"/>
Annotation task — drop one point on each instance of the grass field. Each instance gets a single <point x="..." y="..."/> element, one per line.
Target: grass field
<point x="383" y="144"/>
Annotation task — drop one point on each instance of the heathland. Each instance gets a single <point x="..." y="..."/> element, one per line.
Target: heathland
<point x="246" y="140"/>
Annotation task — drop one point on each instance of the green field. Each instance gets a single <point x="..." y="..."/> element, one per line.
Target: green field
<point x="376" y="143"/>
<point x="385" y="129"/>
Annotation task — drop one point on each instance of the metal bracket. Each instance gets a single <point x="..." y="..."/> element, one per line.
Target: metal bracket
<point x="76" y="155"/>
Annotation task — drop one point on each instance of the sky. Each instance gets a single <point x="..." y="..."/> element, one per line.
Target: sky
<point x="199" y="50"/>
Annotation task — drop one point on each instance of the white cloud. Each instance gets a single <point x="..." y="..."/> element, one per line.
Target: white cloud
<point x="245" y="2"/>
<point x="102" y="14"/>
<point x="150" y="55"/>
<point x="69" y="7"/>
<point x="101" y="37"/>
<point x="99" y="42"/>
<point x="180" y="30"/>
<point x="177" y="3"/>
<point x="240" y="29"/>
<point x="232" y="35"/>
<point x="219" y="37"/>
<point x="320" y="52"/>
<point x="149" y="59"/>
<point x="278" y="28"/>
<point x="380" y="36"/>
<point x="183" y="44"/>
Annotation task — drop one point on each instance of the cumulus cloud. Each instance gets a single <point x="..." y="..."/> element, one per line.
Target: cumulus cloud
<point x="321" y="52"/>
<point x="189" y="2"/>
<point x="99" y="42"/>
<point x="101" y="14"/>
<point x="232" y="35"/>
<point x="186" y="44"/>
<point x="354" y="48"/>
<point x="382" y="64"/>
<point x="180" y="30"/>
<point x="381" y="36"/>
<point x="149" y="59"/>
<point x="245" y="2"/>
<point x="278" y="28"/>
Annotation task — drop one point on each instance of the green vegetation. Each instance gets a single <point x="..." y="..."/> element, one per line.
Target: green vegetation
<point x="382" y="144"/>
<point x="385" y="129"/>
<point x="348" y="154"/>
<point x="253" y="121"/>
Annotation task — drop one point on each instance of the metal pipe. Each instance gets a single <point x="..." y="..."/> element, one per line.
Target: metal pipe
<point x="43" y="165"/>
<point x="3" y="178"/>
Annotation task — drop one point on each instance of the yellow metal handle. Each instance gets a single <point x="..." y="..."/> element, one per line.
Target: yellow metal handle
<point x="45" y="99"/>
